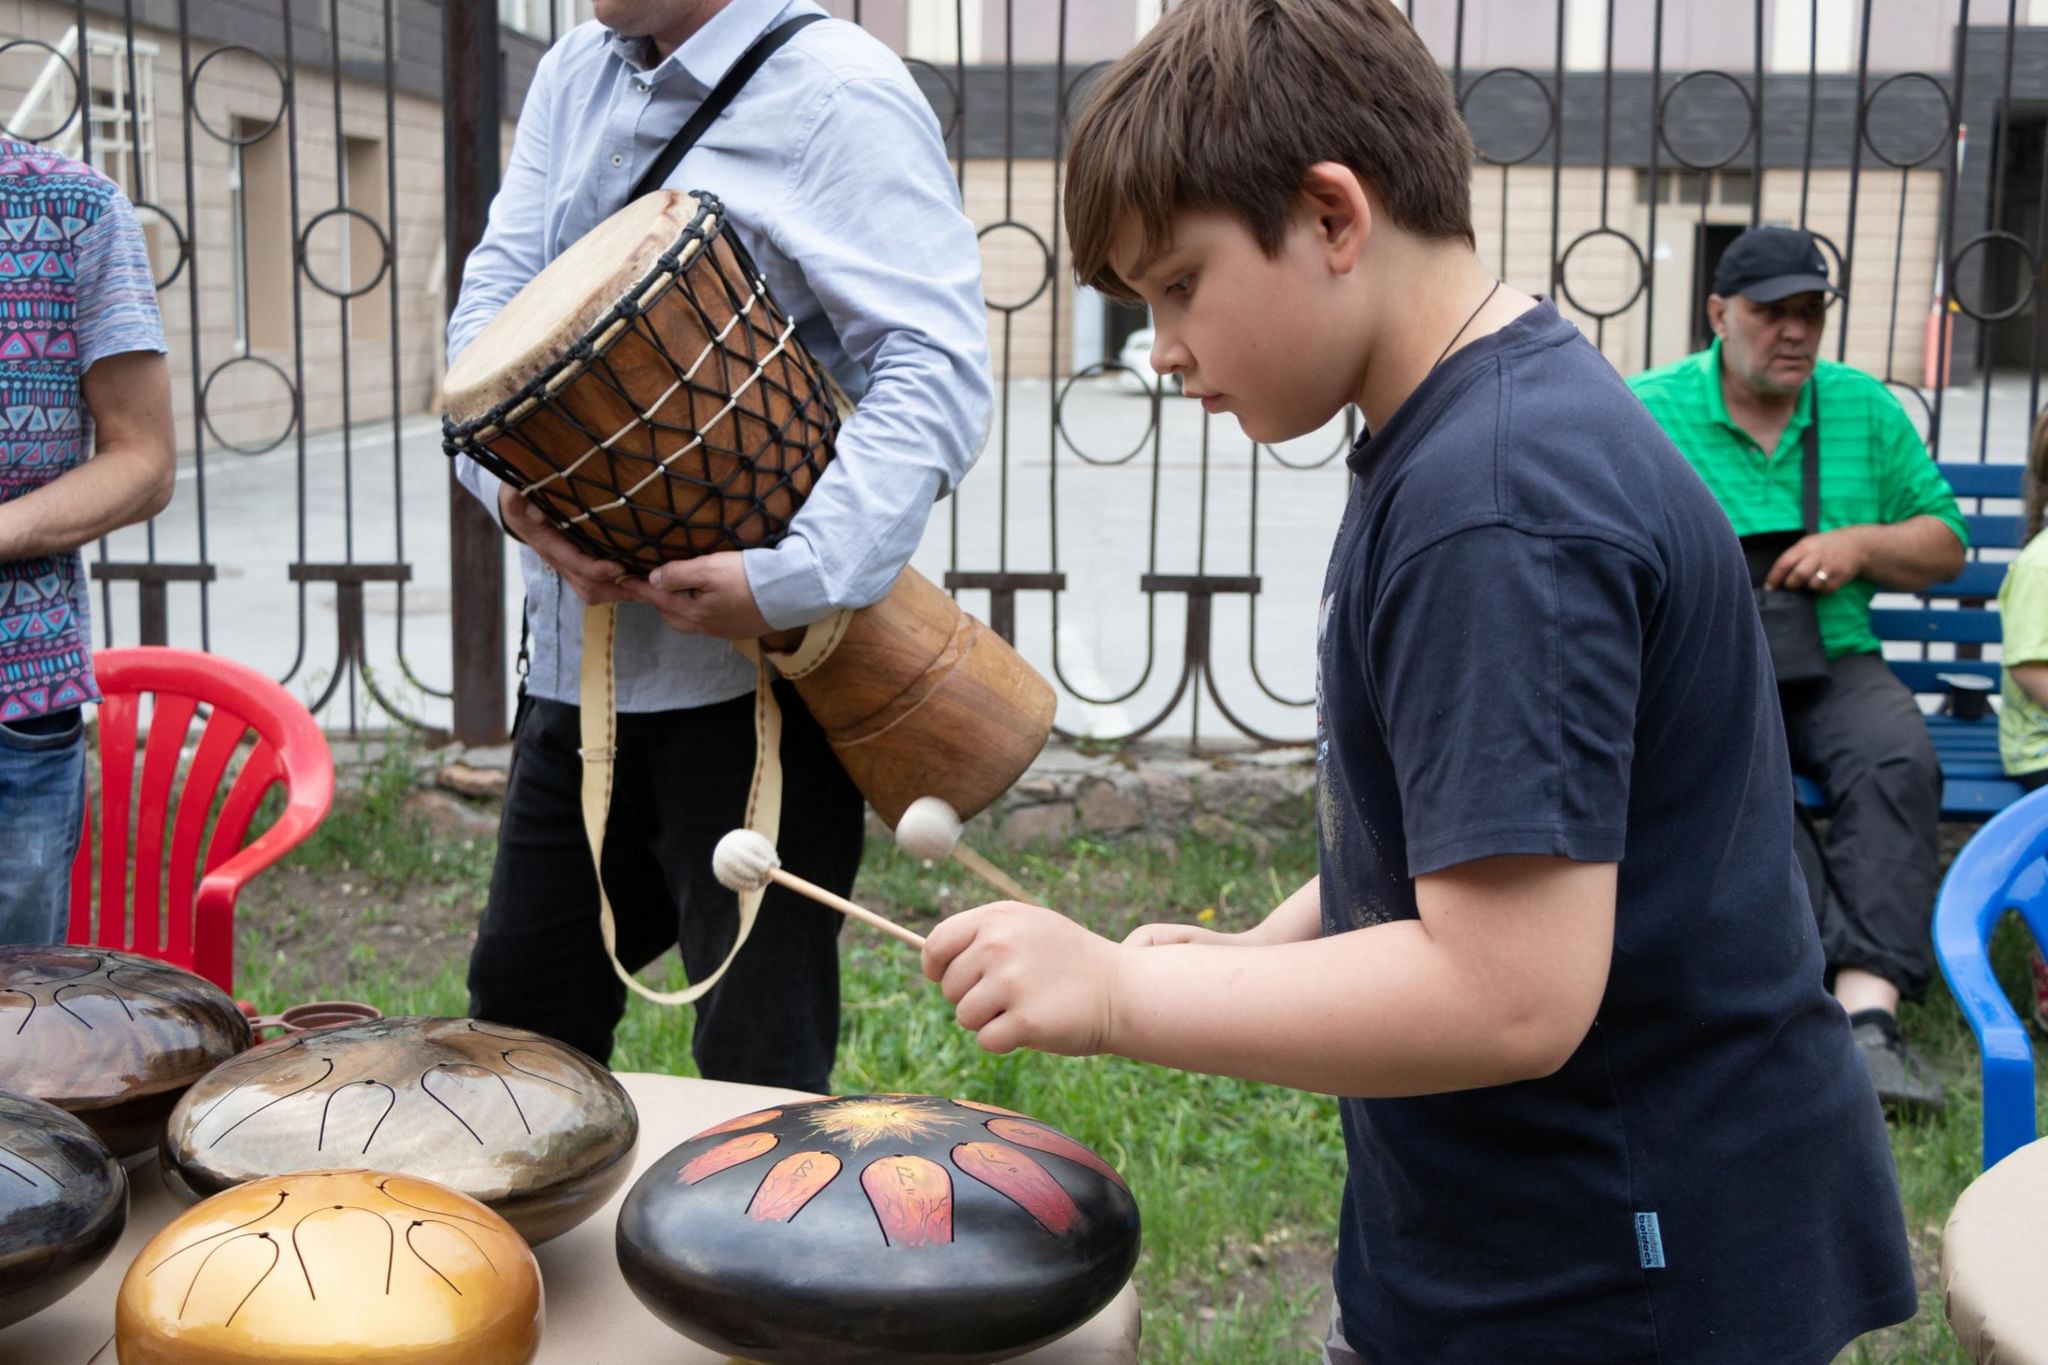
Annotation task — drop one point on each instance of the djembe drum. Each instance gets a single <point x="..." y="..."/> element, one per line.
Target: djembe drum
<point x="327" y="1266"/>
<point x="873" y="1228"/>
<point x="114" y="1038"/>
<point x="63" y="1205"/>
<point x="647" y="394"/>
<point x="528" y="1126"/>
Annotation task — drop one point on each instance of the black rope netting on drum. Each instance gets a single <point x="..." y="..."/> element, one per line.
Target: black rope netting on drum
<point x="688" y="419"/>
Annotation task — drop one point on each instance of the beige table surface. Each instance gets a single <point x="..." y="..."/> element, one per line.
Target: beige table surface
<point x="1994" y="1262"/>
<point x="592" y="1317"/>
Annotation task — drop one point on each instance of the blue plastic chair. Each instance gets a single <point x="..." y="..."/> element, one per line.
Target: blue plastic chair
<point x="2005" y="867"/>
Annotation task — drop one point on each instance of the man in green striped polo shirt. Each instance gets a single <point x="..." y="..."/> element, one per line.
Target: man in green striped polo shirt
<point x="1740" y="411"/>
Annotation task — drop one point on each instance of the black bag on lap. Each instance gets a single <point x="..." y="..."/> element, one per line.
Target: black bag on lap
<point x="1791" y="619"/>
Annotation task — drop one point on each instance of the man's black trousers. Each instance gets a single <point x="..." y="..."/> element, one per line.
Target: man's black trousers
<point x="1873" y="874"/>
<point x="680" y="786"/>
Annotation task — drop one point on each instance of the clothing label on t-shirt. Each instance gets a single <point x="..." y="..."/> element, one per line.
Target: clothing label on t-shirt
<point x="1649" y="1242"/>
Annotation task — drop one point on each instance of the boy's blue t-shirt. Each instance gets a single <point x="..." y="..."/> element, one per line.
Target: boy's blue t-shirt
<point x="1538" y="637"/>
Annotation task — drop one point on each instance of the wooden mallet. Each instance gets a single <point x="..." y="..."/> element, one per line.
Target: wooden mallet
<point x="745" y="860"/>
<point x="930" y="829"/>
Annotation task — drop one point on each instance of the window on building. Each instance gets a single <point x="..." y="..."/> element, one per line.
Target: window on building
<point x="543" y="19"/>
<point x="1585" y="35"/>
<point x="1683" y="188"/>
<point x="1794" y="37"/>
<point x="263" y="239"/>
<point x="123" y="111"/>
<point x="121" y="114"/>
<point x="940" y="31"/>
<point x="121" y="117"/>
<point x="362" y="254"/>
<point x="239" y="247"/>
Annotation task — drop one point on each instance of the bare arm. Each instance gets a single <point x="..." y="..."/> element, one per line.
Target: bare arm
<point x="1906" y="556"/>
<point x="2032" y="679"/>
<point x="1497" y="981"/>
<point x="129" y="477"/>
<point x="1294" y="920"/>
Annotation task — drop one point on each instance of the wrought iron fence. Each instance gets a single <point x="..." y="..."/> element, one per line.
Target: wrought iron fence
<point x="283" y="154"/>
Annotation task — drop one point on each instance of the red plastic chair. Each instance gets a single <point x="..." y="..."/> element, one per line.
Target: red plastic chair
<point x="166" y="920"/>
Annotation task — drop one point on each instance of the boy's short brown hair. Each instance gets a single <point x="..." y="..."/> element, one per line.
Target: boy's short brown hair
<point x="1225" y="105"/>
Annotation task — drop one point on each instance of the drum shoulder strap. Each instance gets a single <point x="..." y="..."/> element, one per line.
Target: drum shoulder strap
<point x="714" y="103"/>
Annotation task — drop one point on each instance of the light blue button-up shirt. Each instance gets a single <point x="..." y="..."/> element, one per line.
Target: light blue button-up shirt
<point x="833" y="171"/>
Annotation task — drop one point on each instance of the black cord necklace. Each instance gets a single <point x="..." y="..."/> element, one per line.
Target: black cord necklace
<point x="1468" y="322"/>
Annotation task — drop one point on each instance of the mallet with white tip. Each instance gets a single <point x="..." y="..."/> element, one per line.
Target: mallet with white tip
<point x="930" y="829"/>
<point x="745" y="860"/>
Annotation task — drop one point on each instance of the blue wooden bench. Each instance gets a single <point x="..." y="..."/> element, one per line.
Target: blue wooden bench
<point x="1974" y="786"/>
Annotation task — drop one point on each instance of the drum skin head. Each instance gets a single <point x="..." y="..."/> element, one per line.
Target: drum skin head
<point x="563" y="302"/>
<point x="874" y="1228"/>
<point x="111" y="1037"/>
<point x="526" y="1125"/>
<point x="332" y="1266"/>
<point x="63" y="1205"/>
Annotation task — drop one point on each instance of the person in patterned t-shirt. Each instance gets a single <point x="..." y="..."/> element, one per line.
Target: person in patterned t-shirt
<point x="82" y="373"/>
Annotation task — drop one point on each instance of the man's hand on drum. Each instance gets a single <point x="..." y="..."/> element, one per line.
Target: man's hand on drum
<point x="708" y="595"/>
<point x="1022" y="976"/>
<point x="593" y="580"/>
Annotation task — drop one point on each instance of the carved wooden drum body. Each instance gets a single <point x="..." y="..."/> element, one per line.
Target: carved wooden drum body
<point x="332" y="1266"/>
<point x="528" y="1126"/>
<point x="114" y="1038"/>
<point x="917" y="698"/>
<point x="878" y="1228"/>
<point x="63" y="1204"/>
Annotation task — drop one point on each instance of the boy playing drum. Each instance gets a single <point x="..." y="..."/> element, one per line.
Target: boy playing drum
<point x="1559" y="960"/>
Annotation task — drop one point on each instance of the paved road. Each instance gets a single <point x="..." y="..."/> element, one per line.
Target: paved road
<point x="1117" y="656"/>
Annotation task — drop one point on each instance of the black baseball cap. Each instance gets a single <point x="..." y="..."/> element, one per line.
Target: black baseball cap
<point x="1766" y="264"/>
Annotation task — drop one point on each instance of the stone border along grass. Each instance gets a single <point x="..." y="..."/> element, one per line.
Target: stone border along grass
<point x="1158" y="792"/>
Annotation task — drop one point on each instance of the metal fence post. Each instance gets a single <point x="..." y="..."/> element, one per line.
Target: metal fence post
<point x="476" y="551"/>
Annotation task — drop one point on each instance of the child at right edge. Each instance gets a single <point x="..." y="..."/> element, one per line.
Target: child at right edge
<point x="1559" y="964"/>
<point x="2023" y="705"/>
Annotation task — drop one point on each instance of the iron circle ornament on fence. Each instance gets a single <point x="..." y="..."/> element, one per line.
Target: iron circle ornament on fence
<point x="284" y="90"/>
<point x="1068" y="103"/>
<point x="306" y="260"/>
<point x="1045" y="257"/>
<point x="1564" y="286"/>
<point x="951" y="123"/>
<point x="1925" y="424"/>
<point x="1155" y="397"/>
<point x="1986" y="240"/>
<point x="1346" y="439"/>
<point x="1549" y="113"/>
<point x="184" y="246"/>
<point x="206" y="408"/>
<point x="1664" y="119"/>
<point x="1943" y="138"/>
<point x="77" y="95"/>
<point x="1839" y="274"/>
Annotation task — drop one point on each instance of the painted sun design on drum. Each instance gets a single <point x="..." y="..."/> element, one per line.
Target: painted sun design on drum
<point x="859" y="1123"/>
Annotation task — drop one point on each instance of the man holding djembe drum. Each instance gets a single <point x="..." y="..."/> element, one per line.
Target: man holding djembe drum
<point x="829" y="168"/>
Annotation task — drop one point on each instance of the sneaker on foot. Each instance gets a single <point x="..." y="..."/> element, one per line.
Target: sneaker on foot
<point x="1905" y="1084"/>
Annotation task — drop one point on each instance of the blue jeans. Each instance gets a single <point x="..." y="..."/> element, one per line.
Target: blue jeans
<point x="42" y="803"/>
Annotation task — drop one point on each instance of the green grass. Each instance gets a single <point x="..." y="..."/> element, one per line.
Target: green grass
<point x="1238" y="1183"/>
<point x="372" y="832"/>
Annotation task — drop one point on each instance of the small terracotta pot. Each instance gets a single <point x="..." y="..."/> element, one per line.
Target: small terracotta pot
<point x="314" y="1014"/>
